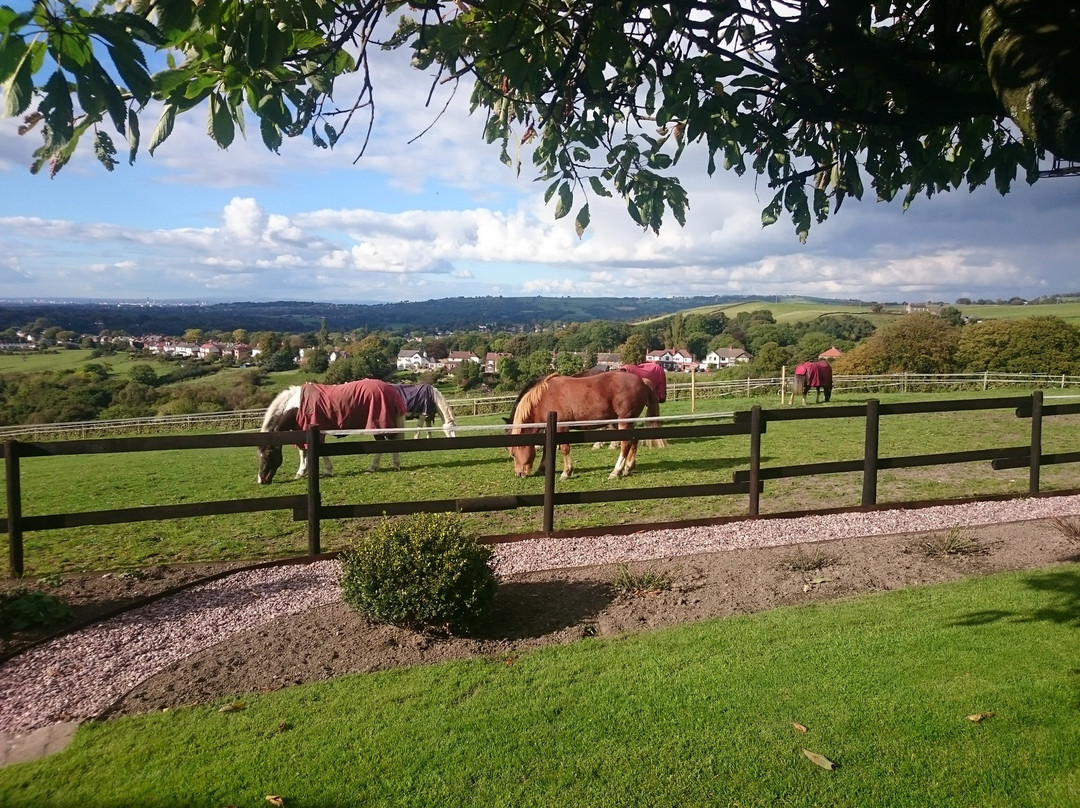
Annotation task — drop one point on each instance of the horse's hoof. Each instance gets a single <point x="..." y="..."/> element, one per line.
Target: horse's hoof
<point x="564" y="476"/>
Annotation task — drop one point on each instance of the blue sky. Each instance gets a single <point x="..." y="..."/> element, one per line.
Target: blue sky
<point x="442" y="217"/>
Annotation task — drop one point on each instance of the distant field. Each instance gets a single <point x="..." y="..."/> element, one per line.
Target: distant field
<point x="792" y="311"/>
<point x="1070" y="312"/>
<point x="60" y="359"/>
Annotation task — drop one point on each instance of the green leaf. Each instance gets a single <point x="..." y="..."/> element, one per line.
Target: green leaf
<point x="164" y="127"/>
<point x="772" y="212"/>
<point x="581" y="221"/>
<point x="219" y="124"/>
<point x="57" y="108"/>
<point x="271" y="135"/>
<point x="598" y="187"/>
<point x="565" y="200"/>
<point x="132" y="136"/>
<point x="18" y="89"/>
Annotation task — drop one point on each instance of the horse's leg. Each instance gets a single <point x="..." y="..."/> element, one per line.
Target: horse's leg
<point x="567" y="462"/>
<point x="302" y="470"/>
<point x="373" y="466"/>
<point x="628" y="453"/>
<point x="328" y="467"/>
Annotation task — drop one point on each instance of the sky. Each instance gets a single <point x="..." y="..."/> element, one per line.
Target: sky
<point x="430" y="212"/>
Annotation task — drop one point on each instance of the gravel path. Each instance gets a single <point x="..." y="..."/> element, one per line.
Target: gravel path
<point x="78" y="676"/>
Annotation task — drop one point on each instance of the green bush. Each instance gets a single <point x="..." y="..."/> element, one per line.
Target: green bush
<point x="22" y="609"/>
<point x="423" y="571"/>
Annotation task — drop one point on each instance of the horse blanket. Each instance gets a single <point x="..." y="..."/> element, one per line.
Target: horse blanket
<point x="814" y="375"/>
<point x="363" y="404"/>
<point x="652" y="373"/>
<point x="419" y="400"/>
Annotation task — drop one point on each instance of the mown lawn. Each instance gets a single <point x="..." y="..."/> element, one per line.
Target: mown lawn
<point x="698" y="715"/>
<point x="92" y="482"/>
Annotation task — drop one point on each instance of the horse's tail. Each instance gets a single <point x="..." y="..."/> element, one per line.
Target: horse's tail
<point x="652" y="403"/>
<point x="445" y="412"/>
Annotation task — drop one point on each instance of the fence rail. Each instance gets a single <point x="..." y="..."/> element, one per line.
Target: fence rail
<point x="752" y="423"/>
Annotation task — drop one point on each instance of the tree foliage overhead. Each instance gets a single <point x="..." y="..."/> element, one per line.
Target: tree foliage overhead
<point x="821" y="99"/>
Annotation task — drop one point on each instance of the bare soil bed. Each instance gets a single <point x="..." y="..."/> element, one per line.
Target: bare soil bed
<point x="535" y="609"/>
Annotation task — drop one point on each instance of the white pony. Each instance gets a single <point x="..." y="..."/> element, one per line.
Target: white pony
<point x="422" y="402"/>
<point x="363" y="404"/>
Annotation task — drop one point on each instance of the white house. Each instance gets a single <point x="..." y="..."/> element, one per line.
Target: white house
<point x="413" y="359"/>
<point x="725" y="358"/>
<point x="677" y="359"/>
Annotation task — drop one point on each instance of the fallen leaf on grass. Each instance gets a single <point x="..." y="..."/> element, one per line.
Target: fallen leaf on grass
<point x="979" y="717"/>
<point x="235" y="707"/>
<point x="819" y="760"/>
<point x="799" y="727"/>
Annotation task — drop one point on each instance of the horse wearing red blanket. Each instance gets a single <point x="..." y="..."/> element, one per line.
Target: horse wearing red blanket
<point x="816" y="375"/>
<point x="364" y="404"/>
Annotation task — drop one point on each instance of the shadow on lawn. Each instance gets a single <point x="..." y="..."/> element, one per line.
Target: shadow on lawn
<point x="1063" y="602"/>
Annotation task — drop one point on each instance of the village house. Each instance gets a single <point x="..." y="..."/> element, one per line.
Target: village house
<point x="832" y="353"/>
<point x="414" y="359"/>
<point x="455" y="358"/>
<point x="678" y="360"/>
<point x="725" y="358"/>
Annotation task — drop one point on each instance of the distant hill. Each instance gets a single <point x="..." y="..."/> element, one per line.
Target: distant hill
<point x="448" y="314"/>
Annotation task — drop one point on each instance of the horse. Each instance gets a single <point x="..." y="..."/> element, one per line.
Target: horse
<point x="603" y="396"/>
<point x="422" y="402"/>
<point x="363" y="404"/>
<point x="816" y="375"/>
<point x="649" y="372"/>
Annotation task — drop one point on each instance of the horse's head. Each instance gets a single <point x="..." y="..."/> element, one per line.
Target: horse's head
<point x="449" y="429"/>
<point x="523" y="459"/>
<point x="269" y="463"/>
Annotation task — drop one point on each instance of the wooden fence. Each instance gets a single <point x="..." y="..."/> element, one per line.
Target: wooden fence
<point x="309" y="507"/>
<point x="705" y="388"/>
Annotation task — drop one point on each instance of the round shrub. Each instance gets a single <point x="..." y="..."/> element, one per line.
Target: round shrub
<point x="423" y="571"/>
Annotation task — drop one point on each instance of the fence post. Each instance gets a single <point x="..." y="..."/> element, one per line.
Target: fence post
<point x="755" y="459"/>
<point x="549" y="472"/>
<point x="14" y="508"/>
<point x="1036" y="442"/>
<point x="314" y="497"/>
<point x="870" y="454"/>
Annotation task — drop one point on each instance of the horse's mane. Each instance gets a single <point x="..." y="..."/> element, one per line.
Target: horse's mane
<point x="279" y="410"/>
<point x="528" y="399"/>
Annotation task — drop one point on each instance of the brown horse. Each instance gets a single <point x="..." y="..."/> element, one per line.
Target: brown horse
<point x="602" y="397"/>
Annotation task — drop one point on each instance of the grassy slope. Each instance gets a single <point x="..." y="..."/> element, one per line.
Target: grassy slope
<point x="698" y="715"/>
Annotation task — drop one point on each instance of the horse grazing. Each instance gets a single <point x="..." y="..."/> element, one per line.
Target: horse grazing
<point x="816" y="375"/>
<point x="604" y="396"/>
<point x="423" y="402"/>
<point x="363" y="404"/>
<point x="649" y="372"/>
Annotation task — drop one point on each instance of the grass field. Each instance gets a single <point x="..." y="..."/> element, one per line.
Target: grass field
<point x="698" y="715"/>
<point x="94" y="482"/>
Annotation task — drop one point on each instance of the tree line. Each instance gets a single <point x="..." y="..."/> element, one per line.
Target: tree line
<point x="914" y="343"/>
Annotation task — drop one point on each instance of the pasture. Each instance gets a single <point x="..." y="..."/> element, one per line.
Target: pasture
<point x="702" y="714"/>
<point x="92" y="482"/>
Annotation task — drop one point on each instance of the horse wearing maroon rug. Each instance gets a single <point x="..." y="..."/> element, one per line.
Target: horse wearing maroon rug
<point x="605" y="396"/>
<point x="812" y="375"/>
<point x="363" y="404"/>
